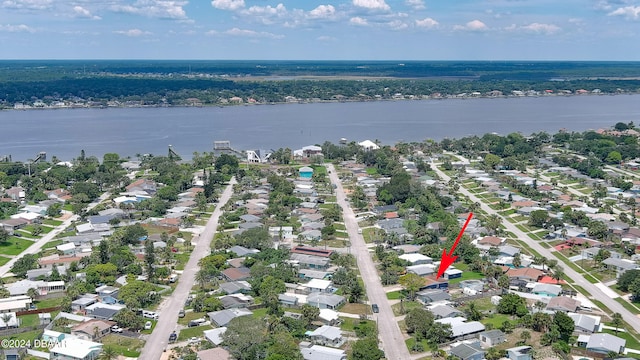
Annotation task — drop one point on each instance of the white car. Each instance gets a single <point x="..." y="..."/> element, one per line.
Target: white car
<point x="147" y="325"/>
<point x="116" y="329"/>
<point x="194" y="340"/>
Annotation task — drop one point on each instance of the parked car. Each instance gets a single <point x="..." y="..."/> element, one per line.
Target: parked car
<point x="147" y="325"/>
<point x="150" y="314"/>
<point x="116" y="329"/>
<point x="375" y="308"/>
<point x="194" y="340"/>
<point x="173" y="337"/>
<point x="181" y="313"/>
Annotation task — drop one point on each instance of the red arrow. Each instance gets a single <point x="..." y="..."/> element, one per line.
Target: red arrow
<point x="447" y="260"/>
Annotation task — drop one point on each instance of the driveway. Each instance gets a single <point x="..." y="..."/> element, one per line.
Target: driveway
<point x="168" y="320"/>
<point x="590" y="288"/>
<point x="389" y="331"/>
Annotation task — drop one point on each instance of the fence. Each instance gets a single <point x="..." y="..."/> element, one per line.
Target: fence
<point x="14" y="331"/>
<point x="38" y="311"/>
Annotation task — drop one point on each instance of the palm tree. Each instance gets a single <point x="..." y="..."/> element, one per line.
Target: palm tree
<point x="6" y="317"/>
<point x="517" y="261"/>
<point x="558" y="273"/>
<point x="108" y="353"/>
<point x="525" y="336"/>
<point x="4" y="293"/>
<point x="616" y="321"/>
<point x="32" y="293"/>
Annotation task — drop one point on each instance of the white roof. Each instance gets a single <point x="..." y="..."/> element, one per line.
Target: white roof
<point x="369" y="145"/>
<point x="328" y="315"/>
<point x="412" y="258"/>
<point x="312" y="148"/>
<point x="317" y="352"/>
<point x="319" y="284"/>
<point x="84" y="227"/>
<point x="121" y="199"/>
<point x="75" y="347"/>
<point x="26" y="215"/>
<point x="327" y="332"/>
<point x="215" y="335"/>
<point x="453" y="271"/>
<point x="66" y="247"/>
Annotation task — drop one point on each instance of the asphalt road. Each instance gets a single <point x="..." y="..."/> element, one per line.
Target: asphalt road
<point x="159" y="339"/>
<point x="37" y="245"/>
<point x="595" y="292"/>
<point x="388" y="329"/>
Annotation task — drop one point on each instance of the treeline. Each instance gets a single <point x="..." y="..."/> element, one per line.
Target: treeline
<point x="174" y="91"/>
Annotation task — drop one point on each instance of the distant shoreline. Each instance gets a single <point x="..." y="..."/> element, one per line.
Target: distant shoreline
<point x="223" y="105"/>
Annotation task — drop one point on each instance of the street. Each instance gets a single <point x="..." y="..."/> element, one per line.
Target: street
<point x="159" y="339"/>
<point x="37" y="245"/>
<point x="592" y="289"/>
<point x="389" y="331"/>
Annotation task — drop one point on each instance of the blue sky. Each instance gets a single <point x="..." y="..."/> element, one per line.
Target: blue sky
<point x="322" y="30"/>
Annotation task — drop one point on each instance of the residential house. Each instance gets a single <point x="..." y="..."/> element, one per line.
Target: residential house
<point x="563" y="303"/>
<point x="548" y="290"/>
<point x="11" y="225"/>
<point x="327" y="335"/>
<point x="311" y="235"/>
<point x="309" y="274"/>
<point x="305" y="261"/>
<point x="429" y="296"/>
<point x="620" y="265"/>
<point x="38" y="274"/>
<point x="223" y="317"/>
<point x="325" y="301"/>
<point x="215" y="336"/>
<point x="452" y="273"/>
<point x="460" y="327"/>
<point x="490" y="241"/>
<point x="103" y="311"/>
<point x="416" y="259"/>
<point x="492" y="338"/>
<point x="43" y="287"/>
<point x="407" y="248"/>
<point x="73" y="348"/>
<point x="329" y="317"/>
<point x="585" y="324"/>
<point x="466" y="351"/>
<point x="236" y="301"/>
<point x="526" y="274"/>
<point x="217" y="353"/>
<point x="236" y="274"/>
<point x="81" y="304"/>
<point x="242" y="251"/>
<point x="15" y="303"/>
<point x="142" y="186"/>
<point x="520" y="353"/>
<point x="235" y="287"/>
<point x="92" y="330"/>
<point x="604" y="343"/>
<point x="316" y="285"/>
<point x="445" y="311"/>
<point x="307" y="250"/>
<point x="421" y="270"/>
<point x="288" y="300"/>
<point x="318" y="352"/>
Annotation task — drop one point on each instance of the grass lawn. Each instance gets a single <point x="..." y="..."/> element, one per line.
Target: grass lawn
<point x="29" y="335"/>
<point x="483" y="304"/>
<point x="52" y="222"/>
<point x="259" y="313"/>
<point x="195" y="331"/>
<point x="52" y="244"/>
<point x="371" y="171"/>
<point x="411" y="342"/>
<point x="629" y="306"/>
<point x="191" y="315"/>
<point x="467" y="275"/>
<point x="495" y="320"/>
<point x="4" y="260"/>
<point x="355" y="308"/>
<point x="368" y="234"/>
<point x="407" y="305"/>
<point x="47" y="303"/>
<point x="45" y="229"/>
<point x="123" y="345"/>
<point x="338" y="226"/>
<point x="331" y="199"/>
<point x="14" y="246"/>
<point x="181" y="260"/>
<point x="395" y="295"/>
<point x="29" y="320"/>
<point x="67" y="207"/>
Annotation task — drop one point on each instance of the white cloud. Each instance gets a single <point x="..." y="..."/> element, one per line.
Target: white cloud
<point x="267" y="15"/>
<point x="132" y="32"/>
<point x="252" y="33"/>
<point x="358" y="21"/>
<point x="16" y="28"/>
<point x="427" y="23"/>
<point x="80" y="12"/>
<point x="27" y="4"/>
<point x="228" y="4"/>
<point x="163" y="9"/>
<point x="629" y="12"/>
<point x="323" y="12"/>
<point x="541" y="28"/>
<point x="473" y="25"/>
<point x="325" y="38"/>
<point x="372" y="4"/>
<point x="416" y="4"/>
<point x="397" y="25"/>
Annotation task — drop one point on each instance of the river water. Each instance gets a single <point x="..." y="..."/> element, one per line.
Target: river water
<point x="131" y="131"/>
